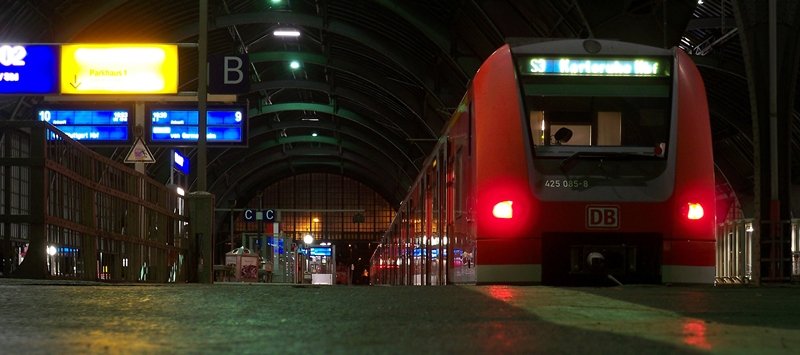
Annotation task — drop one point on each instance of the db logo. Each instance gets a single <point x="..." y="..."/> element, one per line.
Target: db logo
<point x="602" y="217"/>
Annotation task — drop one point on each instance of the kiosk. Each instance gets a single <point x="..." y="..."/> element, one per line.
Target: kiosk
<point x="321" y="264"/>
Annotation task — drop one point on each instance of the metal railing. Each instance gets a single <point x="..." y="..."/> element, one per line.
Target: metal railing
<point x="740" y="250"/>
<point x="67" y="212"/>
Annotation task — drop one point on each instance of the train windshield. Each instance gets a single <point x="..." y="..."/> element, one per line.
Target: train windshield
<point x="617" y="107"/>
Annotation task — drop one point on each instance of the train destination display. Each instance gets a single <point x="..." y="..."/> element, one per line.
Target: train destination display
<point x="107" y="125"/>
<point x="225" y="125"/>
<point x="595" y="67"/>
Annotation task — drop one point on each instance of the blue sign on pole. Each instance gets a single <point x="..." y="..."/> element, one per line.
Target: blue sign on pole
<point x="29" y="69"/>
<point x="180" y="162"/>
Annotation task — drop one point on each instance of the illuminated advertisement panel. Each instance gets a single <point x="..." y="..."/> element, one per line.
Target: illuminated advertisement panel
<point x="28" y="69"/>
<point x="179" y="125"/>
<point x="108" y="125"/>
<point x="119" y="69"/>
<point x="600" y="66"/>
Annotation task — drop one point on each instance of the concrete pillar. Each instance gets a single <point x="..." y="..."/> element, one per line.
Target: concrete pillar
<point x="201" y="241"/>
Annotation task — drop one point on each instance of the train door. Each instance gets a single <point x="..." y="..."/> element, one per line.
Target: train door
<point x="430" y="225"/>
<point x="416" y="229"/>
<point x="460" y="231"/>
<point x="436" y="240"/>
<point x="407" y="245"/>
<point x="441" y="216"/>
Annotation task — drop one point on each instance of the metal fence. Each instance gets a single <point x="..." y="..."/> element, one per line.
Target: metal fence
<point x="739" y="250"/>
<point x="67" y="212"/>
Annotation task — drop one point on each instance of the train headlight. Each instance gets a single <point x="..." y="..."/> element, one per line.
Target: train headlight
<point x="694" y="211"/>
<point x="503" y="209"/>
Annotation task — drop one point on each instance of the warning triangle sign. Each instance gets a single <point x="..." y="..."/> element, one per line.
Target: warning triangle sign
<point x="139" y="153"/>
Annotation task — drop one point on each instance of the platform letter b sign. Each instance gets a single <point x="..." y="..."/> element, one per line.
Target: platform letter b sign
<point x="602" y="217"/>
<point x="228" y="74"/>
<point x="233" y="70"/>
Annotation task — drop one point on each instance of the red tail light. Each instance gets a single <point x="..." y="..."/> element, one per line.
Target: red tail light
<point x="695" y="211"/>
<point x="503" y="210"/>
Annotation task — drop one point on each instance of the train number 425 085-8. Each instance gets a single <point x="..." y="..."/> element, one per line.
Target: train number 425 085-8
<point x="566" y="183"/>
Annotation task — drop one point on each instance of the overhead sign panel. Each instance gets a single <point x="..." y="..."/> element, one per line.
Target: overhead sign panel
<point x="28" y="69"/>
<point x="108" y="125"/>
<point x="268" y="215"/>
<point x="228" y="74"/>
<point x="179" y="125"/>
<point x="119" y="69"/>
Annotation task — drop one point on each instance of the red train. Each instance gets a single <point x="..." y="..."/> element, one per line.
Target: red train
<point x="567" y="162"/>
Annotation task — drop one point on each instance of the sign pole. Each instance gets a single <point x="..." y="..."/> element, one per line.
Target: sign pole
<point x="202" y="92"/>
<point x="201" y="203"/>
<point x="138" y="130"/>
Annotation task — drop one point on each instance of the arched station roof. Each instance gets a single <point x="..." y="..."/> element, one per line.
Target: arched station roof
<point x="378" y="79"/>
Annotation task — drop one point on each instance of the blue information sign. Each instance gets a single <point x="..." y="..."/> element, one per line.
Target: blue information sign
<point x="180" y="162"/>
<point x="29" y="69"/>
<point x="90" y="125"/>
<point x="225" y="125"/>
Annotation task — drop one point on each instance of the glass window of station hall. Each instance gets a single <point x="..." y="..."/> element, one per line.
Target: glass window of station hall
<point x="332" y="208"/>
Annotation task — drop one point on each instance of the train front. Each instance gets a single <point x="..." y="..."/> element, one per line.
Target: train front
<point x="603" y="171"/>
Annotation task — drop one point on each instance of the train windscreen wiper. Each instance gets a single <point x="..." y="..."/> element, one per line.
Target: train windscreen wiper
<point x="568" y="163"/>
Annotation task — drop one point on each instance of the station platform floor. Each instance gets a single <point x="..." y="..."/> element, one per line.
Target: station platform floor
<point x="47" y="317"/>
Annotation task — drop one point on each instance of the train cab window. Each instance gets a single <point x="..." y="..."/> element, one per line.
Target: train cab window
<point x="633" y="125"/>
<point x="622" y="113"/>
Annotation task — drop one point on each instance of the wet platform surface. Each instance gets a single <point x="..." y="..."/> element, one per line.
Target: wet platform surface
<point x="46" y="318"/>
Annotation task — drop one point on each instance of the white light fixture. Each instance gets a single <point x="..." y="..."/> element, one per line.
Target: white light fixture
<point x="308" y="239"/>
<point x="294" y="64"/>
<point x="51" y="250"/>
<point x="286" y="32"/>
<point x="180" y="191"/>
<point x="314" y="134"/>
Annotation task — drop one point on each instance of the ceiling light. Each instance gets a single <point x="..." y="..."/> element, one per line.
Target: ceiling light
<point x="314" y="134"/>
<point x="286" y="32"/>
<point x="294" y="64"/>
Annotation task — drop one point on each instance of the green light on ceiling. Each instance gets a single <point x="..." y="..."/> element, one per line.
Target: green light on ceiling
<point x="294" y="64"/>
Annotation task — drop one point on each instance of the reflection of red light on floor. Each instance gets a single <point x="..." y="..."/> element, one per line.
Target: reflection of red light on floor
<point x="502" y="293"/>
<point x="694" y="334"/>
